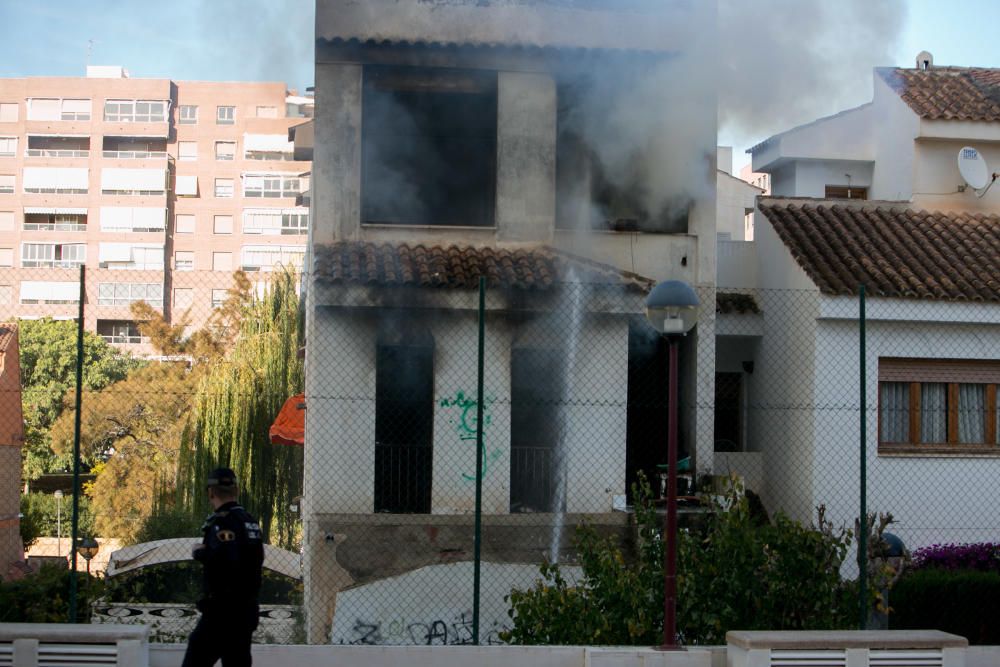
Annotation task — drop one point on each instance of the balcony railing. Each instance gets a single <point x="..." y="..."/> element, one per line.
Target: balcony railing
<point x="403" y="478"/>
<point x="51" y="263"/>
<point x="135" y="155"/>
<point x="532" y="479"/>
<point x="56" y="152"/>
<point x="124" y="340"/>
<point x="55" y="227"/>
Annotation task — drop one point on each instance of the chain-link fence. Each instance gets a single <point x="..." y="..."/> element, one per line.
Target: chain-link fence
<point x="367" y="486"/>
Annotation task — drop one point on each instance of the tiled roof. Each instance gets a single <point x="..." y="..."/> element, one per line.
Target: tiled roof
<point x="420" y="265"/>
<point x="895" y="251"/>
<point x="948" y="93"/>
<point x="735" y="303"/>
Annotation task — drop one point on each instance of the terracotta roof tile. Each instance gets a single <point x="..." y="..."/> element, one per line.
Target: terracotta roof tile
<point x="419" y="265"/>
<point x="948" y="93"/>
<point x="896" y="251"/>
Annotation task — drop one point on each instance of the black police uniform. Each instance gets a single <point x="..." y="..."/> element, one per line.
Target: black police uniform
<point x="232" y="556"/>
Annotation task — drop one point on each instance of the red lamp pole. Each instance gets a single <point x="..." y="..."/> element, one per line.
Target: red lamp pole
<point x="670" y="520"/>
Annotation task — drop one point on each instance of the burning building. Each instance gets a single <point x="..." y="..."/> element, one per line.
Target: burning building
<point x="562" y="149"/>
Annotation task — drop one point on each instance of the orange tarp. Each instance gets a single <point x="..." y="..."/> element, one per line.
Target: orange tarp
<point x="289" y="427"/>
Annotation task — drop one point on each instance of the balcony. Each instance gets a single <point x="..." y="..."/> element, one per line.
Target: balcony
<point x="134" y="148"/>
<point x="55" y="219"/>
<point x="53" y="146"/>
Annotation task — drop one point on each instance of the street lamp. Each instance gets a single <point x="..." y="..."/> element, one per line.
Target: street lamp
<point x="672" y="309"/>
<point x="88" y="548"/>
<point x="59" y="496"/>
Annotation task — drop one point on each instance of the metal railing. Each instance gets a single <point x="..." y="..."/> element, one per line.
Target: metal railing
<point x="56" y="152"/>
<point x="135" y="155"/>
<point x="403" y="478"/>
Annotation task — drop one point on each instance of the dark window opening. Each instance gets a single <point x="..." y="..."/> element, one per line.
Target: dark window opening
<point x="404" y="415"/>
<point x="589" y="195"/>
<point x="646" y="428"/>
<point x="846" y="192"/>
<point x="428" y="147"/>
<point x="535" y="414"/>
<point x="728" y="412"/>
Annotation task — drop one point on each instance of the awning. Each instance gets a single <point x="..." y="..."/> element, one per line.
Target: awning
<point x="133" y="179"/>
<point x="53" y="210"/>
<point x="129" y="218"/>
<point x="289" y="427"/>
<point x="49" y="291"/>
<point x="187" y="185"/>
<point x="63" y="178"/>
<point x="267" y="143"/>
<point x="115" y="252"/>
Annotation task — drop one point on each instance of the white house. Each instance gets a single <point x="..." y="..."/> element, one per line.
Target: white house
<point x="874" y="196"/>
<point x="560" y="151"/>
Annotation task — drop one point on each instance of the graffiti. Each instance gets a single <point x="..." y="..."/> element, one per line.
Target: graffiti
<point x="464" y="418"/>
<point x="430" y="633"/>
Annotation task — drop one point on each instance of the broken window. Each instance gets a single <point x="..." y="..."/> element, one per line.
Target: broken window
<point x="429" y="147"/>
<point x="404" y="418"/>
<point x="535" y="416"/>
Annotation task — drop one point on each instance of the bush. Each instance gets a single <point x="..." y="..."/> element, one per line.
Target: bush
<point x="742" y="572"/>
<point x="964" y="602"/>
<point x="43" y="511"/>
<point x="982" y="556"/>
<point x="43" y="597"/>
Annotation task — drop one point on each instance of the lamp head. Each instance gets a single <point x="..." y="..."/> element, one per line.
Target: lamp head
<point x="672" y="307"/>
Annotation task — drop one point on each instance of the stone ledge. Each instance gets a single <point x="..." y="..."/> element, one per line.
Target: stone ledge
<point x="833" y="639"/>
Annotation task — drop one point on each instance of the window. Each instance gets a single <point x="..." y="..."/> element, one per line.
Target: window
<point x="224" y="188"/>
<point x="728" y="434"/>
<point x="124" y="294"/>
<point x="186" y="185"/>
<point x="6" y="257"/>
<point x="53" y="255"/>
<point x="223" y="224"/>
<point x="188" y="114"/>
<point x="225" y="150"/>
<point x="272" y="186"/>
<point x="846" y="192"/>
<point x="267" y="257"/>
<point x="75" y="110"/>
<point x="276" y="221"/>
<point x="130" y="256"/>
<point x="133" y="182"/>
<point x="937" y="406"/>
<point x="135" y="111"/>
<point x="6" y="184"/>
<point x="184" y="260"/>
<point x="55" y="180"/>
<point x="6" y="221"/>
<point x="183" y="297"/>
<point x="267" y="112"/>
<point x="225" y="115"/>
<point x="8" y="112"/>
<point x="43" y="292"/>
<point x="219" y="297"/>
<point x="187" y="150"/>
<point x="404" y="424"/>
<point x="120" y="332"/>
<point x="536" y="378"/>
<point x="428" y="147"/>
<point x="8" y="146"/>
<point x="222" y="261"/>
<point x="184" y="223"/>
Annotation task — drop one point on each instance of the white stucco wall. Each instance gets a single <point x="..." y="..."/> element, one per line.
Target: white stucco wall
<point x="936" y="178"/>
<point x="934" y="499"/>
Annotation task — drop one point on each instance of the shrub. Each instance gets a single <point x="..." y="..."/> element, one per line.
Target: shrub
<point x="964" y="602"/>
<point x="43" y="597"/>
<point x="982" y="556"/>
<point x="741" y="572"/>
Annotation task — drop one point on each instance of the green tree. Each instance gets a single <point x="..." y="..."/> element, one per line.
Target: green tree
<point x="42" y="512"/>
<point x="30" y="524"/>
<point x="48" y="374"/>
<point x="741" y="572"/>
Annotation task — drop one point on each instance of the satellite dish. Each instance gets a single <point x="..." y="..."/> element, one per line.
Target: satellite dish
<point x="973" y="168"/>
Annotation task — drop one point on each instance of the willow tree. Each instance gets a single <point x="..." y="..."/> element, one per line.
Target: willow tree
<point x="235" y="404"/>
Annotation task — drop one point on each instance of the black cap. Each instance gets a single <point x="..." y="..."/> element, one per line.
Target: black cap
<point x="223" y="477"/>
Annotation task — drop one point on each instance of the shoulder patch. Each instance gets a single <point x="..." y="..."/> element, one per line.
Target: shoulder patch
<point x="226" y="536"/>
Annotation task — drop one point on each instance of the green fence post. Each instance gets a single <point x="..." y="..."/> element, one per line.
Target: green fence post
<point x="479" y="461"/>
<point x="863" y="532"/>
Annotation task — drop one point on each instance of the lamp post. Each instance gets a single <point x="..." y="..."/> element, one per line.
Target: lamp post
<point x="672" y="309"/>
<point x="59" y="496"/>
<point x="88" y="548"/>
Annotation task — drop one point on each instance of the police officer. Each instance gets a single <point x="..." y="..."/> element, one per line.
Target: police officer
<point x="232" y="553"/>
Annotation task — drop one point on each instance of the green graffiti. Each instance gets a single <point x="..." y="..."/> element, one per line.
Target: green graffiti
<point x="464" y="419"/>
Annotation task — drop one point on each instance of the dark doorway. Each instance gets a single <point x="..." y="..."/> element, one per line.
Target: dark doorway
<point x="646" y="430"/>
<point x="404" y="430"/>
<point x="728" y="412"/>
<point x="535" y="415"/>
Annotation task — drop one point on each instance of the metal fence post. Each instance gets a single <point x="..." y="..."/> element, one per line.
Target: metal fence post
<point x="76" y="447"/>
<point x="863" y="524"/>
<point x="479" y="461"/>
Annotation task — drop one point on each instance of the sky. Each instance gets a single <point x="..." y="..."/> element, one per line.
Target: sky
<point x="271" y="40"/>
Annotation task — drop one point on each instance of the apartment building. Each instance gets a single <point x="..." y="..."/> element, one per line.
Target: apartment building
<point x="161" y="188"/>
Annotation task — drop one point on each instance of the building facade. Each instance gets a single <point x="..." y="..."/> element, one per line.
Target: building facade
<point x="11" y="436"/>
<point x="161" y="188"/>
